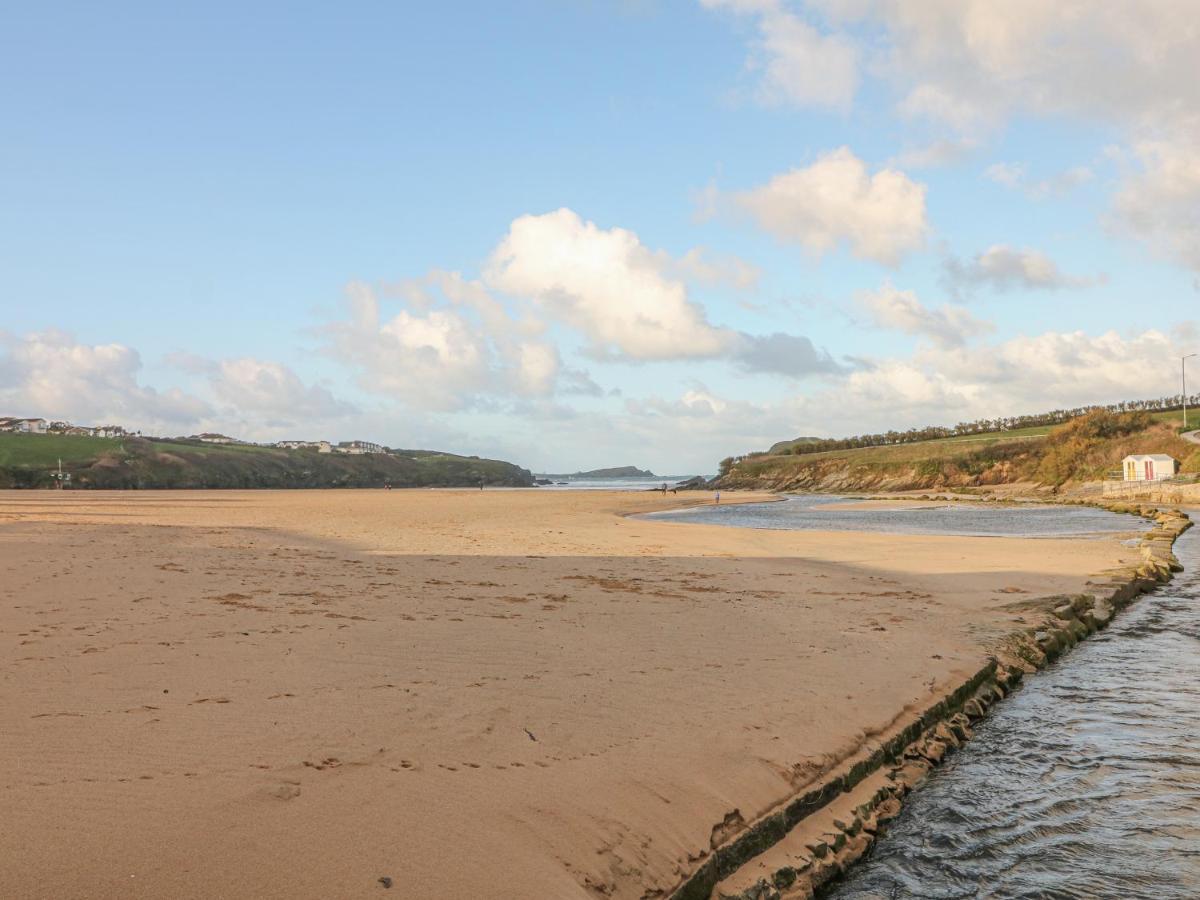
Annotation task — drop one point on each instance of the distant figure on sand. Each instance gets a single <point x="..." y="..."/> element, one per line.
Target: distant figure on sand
<point x="664" y="488"/>
<point x="717" y="499"/>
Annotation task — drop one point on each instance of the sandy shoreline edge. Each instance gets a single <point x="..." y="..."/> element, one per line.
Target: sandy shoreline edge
<point x="802" y="848"/>
<point x="473" y="694"/>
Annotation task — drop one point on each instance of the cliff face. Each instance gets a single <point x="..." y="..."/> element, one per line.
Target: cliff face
<point x="844" y="474"/>
<point x="1085" y="449"/>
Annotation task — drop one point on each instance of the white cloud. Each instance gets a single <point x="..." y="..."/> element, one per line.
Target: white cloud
<point x="695" y="403"/>
<point x="51" y="375"/>
<point x="938" y="385"/>
<point x="452" y="344"/>
<point x="703" y="267"/>
<point x="881" y="216"/>
<point x="967" y="62"/>
<point x="1005" y="268"/>
<point x="804" y="67"/>
<point x="273" y="393"/>
<point x="441" y="354"/>
<point x="902" y="311"/>
<point x="800" y="64"/>
<point x="607" y="285"/>
<point x="966" y="66"/>
<point x="943" y="105"/>
<point x="1022" y="375"/>
<point x="1161" y="203"/>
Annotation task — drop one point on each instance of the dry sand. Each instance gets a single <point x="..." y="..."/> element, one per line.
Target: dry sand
<point x="475" y="694"/>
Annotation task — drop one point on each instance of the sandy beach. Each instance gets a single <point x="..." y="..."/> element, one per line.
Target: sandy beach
<point x="451" y="694"/>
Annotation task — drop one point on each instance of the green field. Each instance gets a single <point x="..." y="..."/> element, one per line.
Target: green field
<point x="45" y="450"/>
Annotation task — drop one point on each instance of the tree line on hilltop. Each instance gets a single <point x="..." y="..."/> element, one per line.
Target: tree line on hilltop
<point x="979" y="426"/>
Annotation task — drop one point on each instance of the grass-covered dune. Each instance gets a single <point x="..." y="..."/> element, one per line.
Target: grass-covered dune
<point x="29" y="460"/>
<point x="1083" y="449"/>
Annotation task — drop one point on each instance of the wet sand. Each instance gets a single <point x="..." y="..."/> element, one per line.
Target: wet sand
<point x="473" y="694"/>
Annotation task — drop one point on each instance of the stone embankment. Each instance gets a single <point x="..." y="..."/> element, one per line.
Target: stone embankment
<point x="1172" y="492"/>
<point x="804" y="844"/>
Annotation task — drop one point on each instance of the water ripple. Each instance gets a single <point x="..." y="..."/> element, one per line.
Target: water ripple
<point x="1084" y="784"/>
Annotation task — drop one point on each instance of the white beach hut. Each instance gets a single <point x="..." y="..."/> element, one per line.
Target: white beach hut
<point x="1149" y="467"/>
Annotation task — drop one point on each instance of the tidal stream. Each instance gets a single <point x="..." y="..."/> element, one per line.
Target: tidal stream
<point x="1083" y="783"/>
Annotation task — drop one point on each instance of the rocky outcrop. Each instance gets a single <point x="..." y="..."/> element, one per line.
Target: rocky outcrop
<point x="812" y="838"/>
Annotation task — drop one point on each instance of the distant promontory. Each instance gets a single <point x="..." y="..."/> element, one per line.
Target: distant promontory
<point x="615" y="472"/>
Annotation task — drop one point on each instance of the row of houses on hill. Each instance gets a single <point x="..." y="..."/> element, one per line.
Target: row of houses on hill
<point x="19" y="425"/>
<point x="11" y="425"/>
<point x="354" y="447"/>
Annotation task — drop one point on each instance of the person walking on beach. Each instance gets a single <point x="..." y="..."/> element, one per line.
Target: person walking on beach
<point x="717" y="499"/>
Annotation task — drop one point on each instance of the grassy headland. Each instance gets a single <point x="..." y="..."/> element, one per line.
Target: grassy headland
<point x="1083" y="449"/>
<point x="29" y="460"/>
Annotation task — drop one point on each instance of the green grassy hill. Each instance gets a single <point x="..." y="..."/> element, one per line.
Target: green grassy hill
<point x="1083" y="449"/>
<point x="28" y="460"/>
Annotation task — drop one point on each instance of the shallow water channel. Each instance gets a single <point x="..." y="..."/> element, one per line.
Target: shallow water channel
<point x="822" y="512"/>
<point x="1084" y="783"/>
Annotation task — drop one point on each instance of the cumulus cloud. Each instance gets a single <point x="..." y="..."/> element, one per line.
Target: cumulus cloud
<point x="950" y="326"/>
<point x="701" y="266"/>
<point x="1005" y="268"/>
<point x="1160" y="204"/>
<point x="939" y="384"/>
<point x="273" y="393"/>
<point x="607" y="285"/>
<point x="1023" y="374"/>
<point x="52" y="375"/>
<point x="836" y="200"/>
<point x="804" y="67"/>
<point x="970" y="61"/>
<point x="450" y="343"/>
<point x="695" y="403"/>
<point x="442" y="351"/>
<point x="800" y="64"/>
<point x="965" y="66"/>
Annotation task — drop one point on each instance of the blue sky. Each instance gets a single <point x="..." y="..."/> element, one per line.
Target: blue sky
<point x="593" y="233"/>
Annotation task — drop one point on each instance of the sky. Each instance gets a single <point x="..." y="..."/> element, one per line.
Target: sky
<point x="588" y="233"/>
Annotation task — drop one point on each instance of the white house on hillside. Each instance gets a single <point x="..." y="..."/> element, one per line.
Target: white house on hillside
<point x="1148" y="467"/>
<point x="359" y="447"/>
<point x="24" y="426"/>
<point x="319" y="446"/>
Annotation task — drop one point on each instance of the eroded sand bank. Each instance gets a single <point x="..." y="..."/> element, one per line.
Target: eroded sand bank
<point x="474" y="694"/>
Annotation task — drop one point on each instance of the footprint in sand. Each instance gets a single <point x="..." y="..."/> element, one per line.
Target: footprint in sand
<point x="288" y="790"/>
<point x="329" y="762"/>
